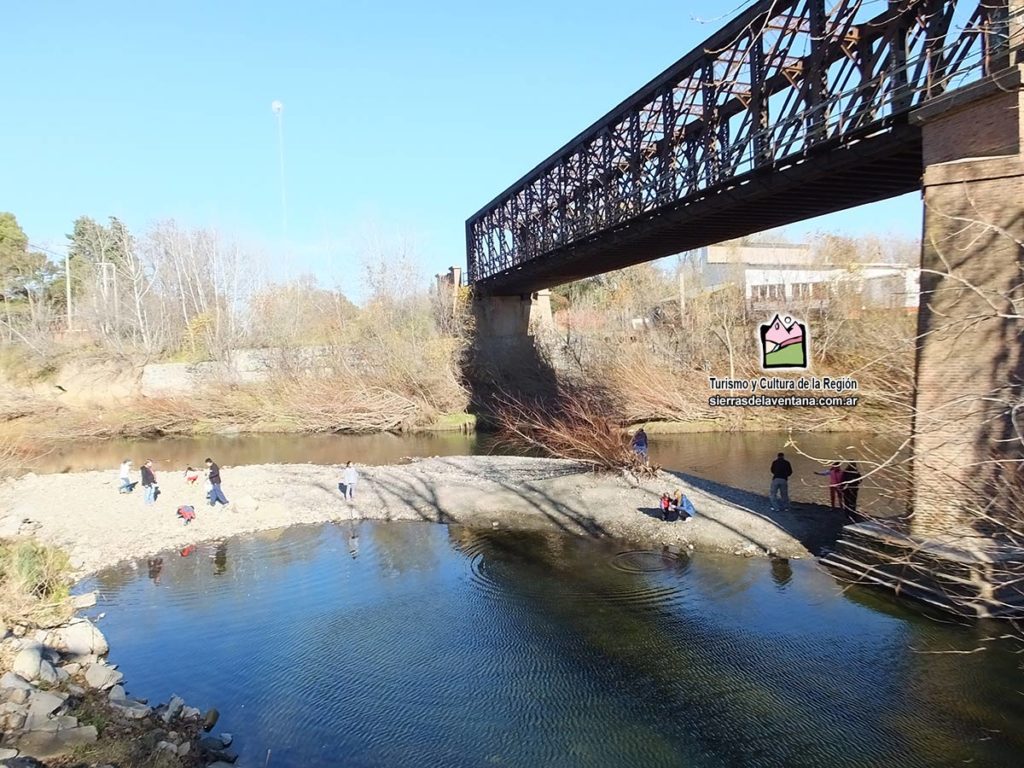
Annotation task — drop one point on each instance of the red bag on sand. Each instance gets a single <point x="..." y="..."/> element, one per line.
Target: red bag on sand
<point x="187" y="513"/>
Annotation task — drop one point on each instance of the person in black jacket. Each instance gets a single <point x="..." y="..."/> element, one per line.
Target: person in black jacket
<point x="779" y="494"/>
<point x="213" y="475"/>
<point x="149" y="481"/>
<point x="850" y="487"/>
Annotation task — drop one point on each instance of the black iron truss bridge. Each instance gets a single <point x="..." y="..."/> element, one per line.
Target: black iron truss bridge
<point x="792" y="110"/>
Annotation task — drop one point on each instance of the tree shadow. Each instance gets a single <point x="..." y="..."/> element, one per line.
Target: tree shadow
<point x="815" y="526"/>
<point x="420" y="496"/>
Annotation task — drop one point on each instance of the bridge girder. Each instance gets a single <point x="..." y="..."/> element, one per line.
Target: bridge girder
<point x="781" y="96"/>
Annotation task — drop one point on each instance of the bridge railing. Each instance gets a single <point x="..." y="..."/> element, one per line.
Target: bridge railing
<point x="777" y="83"/>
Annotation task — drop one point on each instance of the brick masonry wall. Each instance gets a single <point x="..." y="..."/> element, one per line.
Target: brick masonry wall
<point x="970" y="365"/>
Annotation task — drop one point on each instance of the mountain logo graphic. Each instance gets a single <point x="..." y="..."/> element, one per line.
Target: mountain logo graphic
<point x="784" y="344"/>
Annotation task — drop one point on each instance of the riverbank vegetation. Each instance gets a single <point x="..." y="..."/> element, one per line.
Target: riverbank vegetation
<point x="34" y="583"/>
<point x="175" y="330"/>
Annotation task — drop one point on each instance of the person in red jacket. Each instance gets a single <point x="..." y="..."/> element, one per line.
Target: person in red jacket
<point x="835" y="482"/>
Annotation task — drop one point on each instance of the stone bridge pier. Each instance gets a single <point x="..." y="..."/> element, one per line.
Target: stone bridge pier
<point x="960" y="551"/>
<point x="505" y="354"/>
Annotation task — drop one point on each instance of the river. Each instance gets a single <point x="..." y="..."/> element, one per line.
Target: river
<point x="380" y="644"/>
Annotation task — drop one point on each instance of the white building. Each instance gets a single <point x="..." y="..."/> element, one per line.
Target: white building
<point x="774" y="275"/>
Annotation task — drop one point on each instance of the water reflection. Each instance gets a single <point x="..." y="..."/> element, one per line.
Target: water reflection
<point x="220" y="558"/>
<point x="782" y="573"/>
<point x="420" y="644"/>
<point x="353" y="543"/>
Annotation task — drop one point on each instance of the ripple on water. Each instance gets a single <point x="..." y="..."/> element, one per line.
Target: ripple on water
<point x="423" y="645"/>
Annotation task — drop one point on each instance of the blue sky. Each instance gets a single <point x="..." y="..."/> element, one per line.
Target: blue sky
<point x="401" y="118"/>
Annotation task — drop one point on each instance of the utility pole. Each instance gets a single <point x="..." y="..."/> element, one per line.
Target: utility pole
<point x="67" y="284"/>
<point x="277" y="108"/>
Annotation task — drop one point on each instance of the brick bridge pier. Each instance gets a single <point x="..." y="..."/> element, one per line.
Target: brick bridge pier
<point x="960" y="552"/>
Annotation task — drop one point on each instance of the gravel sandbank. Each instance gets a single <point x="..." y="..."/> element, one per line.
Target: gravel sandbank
<point x="83" y="512"/>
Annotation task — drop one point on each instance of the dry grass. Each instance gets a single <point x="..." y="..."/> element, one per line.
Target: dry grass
<point x="283" y="404"/>
<point x="575" y="425"/>
<point x="34" y="583"/>
<point x="124" y="743"/>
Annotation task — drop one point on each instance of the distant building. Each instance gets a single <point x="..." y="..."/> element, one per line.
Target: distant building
<point x="772" y="275"/>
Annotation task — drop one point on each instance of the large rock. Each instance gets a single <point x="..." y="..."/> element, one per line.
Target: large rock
<point x="18" y="695"/>
<point x="40" y="707"/>
<point x="133" y="710"/>
<point x="53" y="743"/>
<point x="102" y="677"/>
<point x="44" y="702"/>
<point x="174" y="707"/>
<point x="7" y="754"/>
<point x="117" y="693"/>
<point x="80" y="637"/>
<point x="47" y="673"/>
<point x="23" y="761"/>
<point x="88" y="600"/>
<point x="12" y="680"/>
<point x="26" y="663"/>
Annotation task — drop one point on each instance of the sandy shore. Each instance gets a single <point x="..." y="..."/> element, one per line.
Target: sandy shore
<point x="83" y="512"/>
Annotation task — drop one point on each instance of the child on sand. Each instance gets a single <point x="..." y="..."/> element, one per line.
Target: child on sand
<point x="835" y="482"/>
<point x="191" y="475"/>
<point x="665" y="503"/>
<point x="187" y="513"/>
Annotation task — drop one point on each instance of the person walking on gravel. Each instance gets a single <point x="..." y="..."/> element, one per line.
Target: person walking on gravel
<point x="213" y="475"/>
<point x="781" y="472"/>
<point x="639" y="443"/>
<point x="149" y="482"/>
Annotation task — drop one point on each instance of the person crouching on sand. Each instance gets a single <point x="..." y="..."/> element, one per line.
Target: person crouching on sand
<point x="682" y="505"/>
<point x="191" y="475"/>
<point x="125" y="476"/>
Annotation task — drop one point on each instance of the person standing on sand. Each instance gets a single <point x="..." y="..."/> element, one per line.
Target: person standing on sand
<point x="149" y="481"/>
<point x="213" y="476"/>
<point x="125" y="476"/>
<point x="851" y="485"/>
<point x="639" y="443"/>
<point x="779" y="493"/>
<point x="350" y="478"/>
<point x="835" y="482"/>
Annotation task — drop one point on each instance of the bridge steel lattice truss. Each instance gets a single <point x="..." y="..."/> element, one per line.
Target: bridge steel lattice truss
<point x="790" y="111"/>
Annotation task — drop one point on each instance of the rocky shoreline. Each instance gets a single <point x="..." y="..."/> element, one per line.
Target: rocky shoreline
<point x="60" y="685"/>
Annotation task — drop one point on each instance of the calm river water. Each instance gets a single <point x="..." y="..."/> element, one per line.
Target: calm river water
<point x="423" y="645"/>
<point x="739" y="459"/>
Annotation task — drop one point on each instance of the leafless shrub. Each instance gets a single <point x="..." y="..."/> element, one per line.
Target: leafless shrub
<point x="576" y="426"/>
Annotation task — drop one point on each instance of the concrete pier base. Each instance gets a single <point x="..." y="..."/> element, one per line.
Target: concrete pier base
<point x="976" y="579"/>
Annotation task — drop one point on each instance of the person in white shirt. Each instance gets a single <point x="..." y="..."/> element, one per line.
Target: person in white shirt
<point x="349" y="480"/>
<point x="125" y="476"/>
